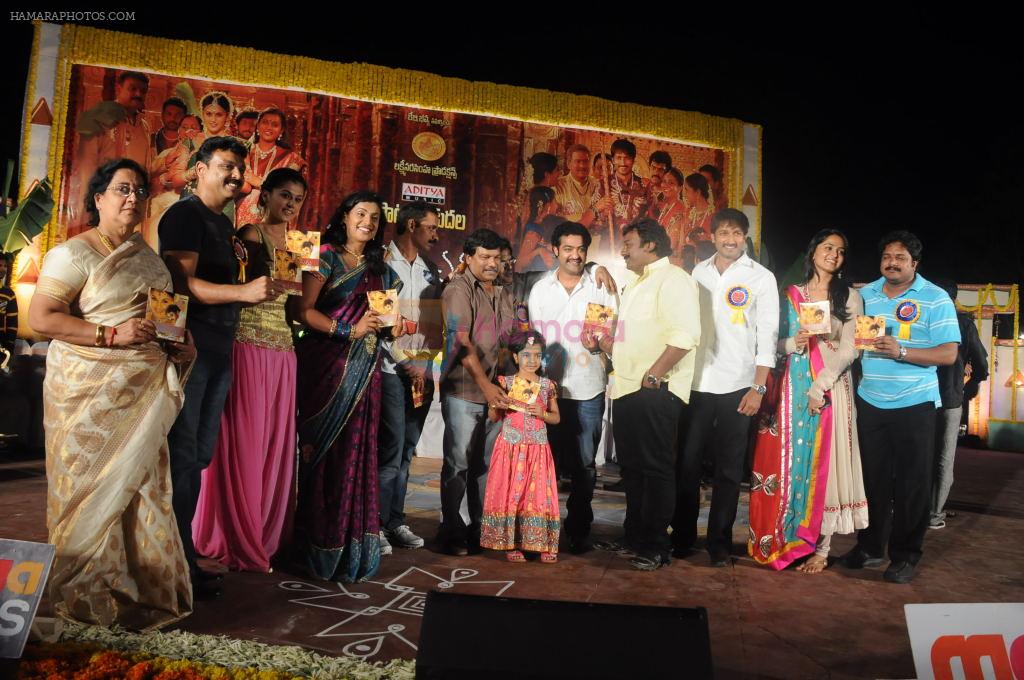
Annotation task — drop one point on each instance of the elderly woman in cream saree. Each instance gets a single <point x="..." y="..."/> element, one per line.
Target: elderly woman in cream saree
<point x="110" y="396"/>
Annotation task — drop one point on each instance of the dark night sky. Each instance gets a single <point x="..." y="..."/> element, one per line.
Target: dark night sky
<point x="870" y="123"/>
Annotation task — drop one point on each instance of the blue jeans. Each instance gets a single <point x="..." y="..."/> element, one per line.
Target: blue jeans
<point x="400" y="428"/>
<point x="193" y="438"/>
<point x="574" y="442"/>
<point x="468" y="441"/>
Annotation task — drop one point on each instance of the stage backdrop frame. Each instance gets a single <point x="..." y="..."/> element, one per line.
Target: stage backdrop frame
<point x="56" y="49"/>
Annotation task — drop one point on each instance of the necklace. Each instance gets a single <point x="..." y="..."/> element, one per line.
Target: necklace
<point x="359" y="256"/>
<point x="107" y="243"/>
<point x="261" y="155"/>
<point x="807" y="292"/>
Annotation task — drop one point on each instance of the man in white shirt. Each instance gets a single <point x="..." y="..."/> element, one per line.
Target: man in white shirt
<point x="558" y="306"/>
<point x="407" y="382"/>
<point x="739" y="305"/>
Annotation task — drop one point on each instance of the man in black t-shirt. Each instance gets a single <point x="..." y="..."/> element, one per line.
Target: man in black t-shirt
<point x="196" y="244"/>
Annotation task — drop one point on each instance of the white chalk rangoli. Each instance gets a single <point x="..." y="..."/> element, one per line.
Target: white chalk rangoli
<point x="400" y="595"/>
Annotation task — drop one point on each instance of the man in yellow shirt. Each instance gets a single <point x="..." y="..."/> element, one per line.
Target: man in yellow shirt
<point x="658" y="327"/>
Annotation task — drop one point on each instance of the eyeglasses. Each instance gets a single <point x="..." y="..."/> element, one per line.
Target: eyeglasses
<point x="510" y="262"/>
<point x="125" y="190"/>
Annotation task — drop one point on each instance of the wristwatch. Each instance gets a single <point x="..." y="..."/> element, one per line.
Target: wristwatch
<point x="760" y="389"/>
<point x="652" y="381"/>
<point x="903" y="354"/>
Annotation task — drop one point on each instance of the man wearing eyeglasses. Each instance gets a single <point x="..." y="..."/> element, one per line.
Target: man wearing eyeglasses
<point x="197" y="244"/>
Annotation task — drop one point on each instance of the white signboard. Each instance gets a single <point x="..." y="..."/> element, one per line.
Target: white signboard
<point x="967" y="641"/>
<point x="24" y="568"/>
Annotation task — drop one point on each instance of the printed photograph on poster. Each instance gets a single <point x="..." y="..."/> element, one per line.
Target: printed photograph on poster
<point x="519" y="178"/>
<point x="522" y="393"/>
<point x="307" y="245"/>
<point x="385" y="303"/>
<point x="168" y="311"/>
<point x="868" y="329"/>
<point x="814" y="317"/>
<point x="598" y="319"/>
<point x="288" y="271"/>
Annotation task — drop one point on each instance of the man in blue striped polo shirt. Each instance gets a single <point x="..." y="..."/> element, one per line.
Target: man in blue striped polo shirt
<point x="896" y="404"/>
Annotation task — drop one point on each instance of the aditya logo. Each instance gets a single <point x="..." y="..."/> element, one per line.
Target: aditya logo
<point x="423" y="192"/>
<point x="1006" y="657"/>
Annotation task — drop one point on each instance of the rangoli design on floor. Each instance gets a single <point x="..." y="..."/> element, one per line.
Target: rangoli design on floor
<point x="405" y="594"/>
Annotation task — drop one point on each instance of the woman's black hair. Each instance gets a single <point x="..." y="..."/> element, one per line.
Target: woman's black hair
<point x="542" y="163"/>
<point x="218" y="98"/>
<point x="838" y="287"/>
<point x="699" y="182"/>
<point x="539" y="197"/>
<point x="100" y="181"/>
<point x="278" y="178"/>
<point x="337" y="234"/>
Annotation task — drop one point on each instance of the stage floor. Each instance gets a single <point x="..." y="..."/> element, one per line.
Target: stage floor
<point x="763" y="624"/>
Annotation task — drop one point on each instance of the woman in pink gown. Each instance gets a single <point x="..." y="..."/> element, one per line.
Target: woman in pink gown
<point x="246" y="498"/>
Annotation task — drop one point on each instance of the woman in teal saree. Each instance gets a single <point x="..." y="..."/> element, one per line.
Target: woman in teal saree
<point x="337" y="520"/>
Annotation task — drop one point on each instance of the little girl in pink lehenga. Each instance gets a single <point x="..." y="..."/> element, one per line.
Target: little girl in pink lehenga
<point x="521" y="501"/>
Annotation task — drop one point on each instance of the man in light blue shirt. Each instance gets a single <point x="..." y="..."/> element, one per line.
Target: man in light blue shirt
<point x="896" y="404"/>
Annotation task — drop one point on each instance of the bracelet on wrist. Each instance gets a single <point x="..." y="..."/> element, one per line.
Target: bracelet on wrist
<point x="341" y="330"/>
<point x="108" y="340"/>
<point x="100" y="333"/>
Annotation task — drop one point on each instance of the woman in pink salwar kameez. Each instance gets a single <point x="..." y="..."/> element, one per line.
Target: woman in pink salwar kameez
<point x="246" y="497"/>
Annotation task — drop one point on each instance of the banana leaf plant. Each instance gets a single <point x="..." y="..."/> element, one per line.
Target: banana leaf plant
<point x="28" y="219"/>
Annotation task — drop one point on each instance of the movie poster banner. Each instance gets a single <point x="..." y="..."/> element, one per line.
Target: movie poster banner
<point x="513" y="159"/>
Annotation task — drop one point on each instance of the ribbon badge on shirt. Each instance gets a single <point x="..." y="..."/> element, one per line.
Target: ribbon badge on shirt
<point x="242" y="255"/>
<point x="738" y="298"/>
<point x="907" y="313"/>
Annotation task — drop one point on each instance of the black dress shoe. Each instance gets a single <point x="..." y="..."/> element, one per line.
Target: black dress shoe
<point x="899" y="572"/>
<point x="681" y="553"/>
<point x="650" y="562"/>
<point x="719" y="558"/>
<point x="620" y="546"/>
<point x="580" y="544"/>
<point x="858" y="558"/>
<point x="205" y="590"/>
<point x="207" y="576"/>
<point x="455" y="546"/>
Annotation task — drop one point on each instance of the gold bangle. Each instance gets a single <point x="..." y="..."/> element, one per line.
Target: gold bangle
<point x="100" y="333"/>
<point x="334" y="328"/>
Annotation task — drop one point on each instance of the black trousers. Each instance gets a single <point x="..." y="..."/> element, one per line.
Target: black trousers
<point x="897" y="446"/>
<point x="711" y="419"/>
<point x="647" y="422"/>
